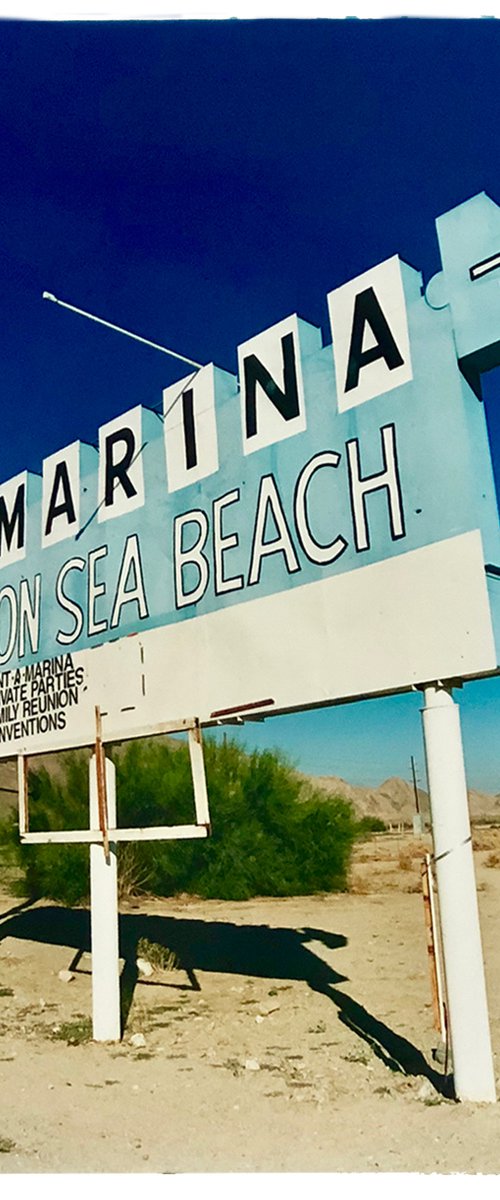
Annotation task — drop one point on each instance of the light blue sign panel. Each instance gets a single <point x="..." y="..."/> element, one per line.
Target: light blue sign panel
<point x="321" y="529"/>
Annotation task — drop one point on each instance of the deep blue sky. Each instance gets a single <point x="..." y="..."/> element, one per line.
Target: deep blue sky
<point x="198" y="181"/>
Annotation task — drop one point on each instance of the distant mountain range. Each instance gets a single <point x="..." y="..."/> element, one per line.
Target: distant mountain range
<point x="393" y="801"/>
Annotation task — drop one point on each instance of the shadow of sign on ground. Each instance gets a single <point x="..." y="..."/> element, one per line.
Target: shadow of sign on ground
<point x="223" y="947"/>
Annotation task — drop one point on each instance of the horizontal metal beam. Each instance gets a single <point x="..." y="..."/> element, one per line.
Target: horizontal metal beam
<point x="109" y="736"/>
<point x="153" y="833"/>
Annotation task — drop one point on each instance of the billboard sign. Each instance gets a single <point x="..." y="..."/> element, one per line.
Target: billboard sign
<point x="322" y="528"/>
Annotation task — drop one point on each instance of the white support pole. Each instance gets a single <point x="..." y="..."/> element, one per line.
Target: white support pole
<point x="104" y="917"/>
<point x="461" y="936"/>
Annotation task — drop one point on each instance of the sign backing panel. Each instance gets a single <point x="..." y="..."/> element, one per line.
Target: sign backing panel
<point x="321" y="546"/>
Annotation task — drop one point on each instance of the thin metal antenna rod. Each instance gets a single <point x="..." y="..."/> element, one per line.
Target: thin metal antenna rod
<point x="81" y="312"/>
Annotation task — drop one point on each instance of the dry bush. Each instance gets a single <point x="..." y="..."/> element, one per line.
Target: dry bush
<point x="419" y="849"/>
<point x="132" y="877"/>
<point x="360" y="886"/>
<point x="485" y="839"/>
<point x="493" y="860"/>
<point x="158" y="956"/>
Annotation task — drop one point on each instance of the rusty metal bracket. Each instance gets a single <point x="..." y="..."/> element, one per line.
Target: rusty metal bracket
<point x="102" y="800"/>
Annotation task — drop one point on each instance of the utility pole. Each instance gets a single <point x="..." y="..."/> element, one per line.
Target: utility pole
<point x="418" y="827"/>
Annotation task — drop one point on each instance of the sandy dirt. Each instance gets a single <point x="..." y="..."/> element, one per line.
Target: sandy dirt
<point x="296" y="1035"/>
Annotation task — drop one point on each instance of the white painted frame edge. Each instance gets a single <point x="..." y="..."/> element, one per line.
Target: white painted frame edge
<point x="201" y="829"/>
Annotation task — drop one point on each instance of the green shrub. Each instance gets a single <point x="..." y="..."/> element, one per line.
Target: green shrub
<point x="271" y="835"/>
<point x="370" y="825"/>
<point x="60" y="872"/>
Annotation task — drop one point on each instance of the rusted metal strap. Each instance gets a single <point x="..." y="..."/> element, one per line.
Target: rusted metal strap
<point x="102" y="801"/>
<point x="431" y="951"/>
<point x="242" y="708"/>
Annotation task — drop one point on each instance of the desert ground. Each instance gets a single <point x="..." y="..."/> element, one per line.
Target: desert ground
<point x="292" y="1035"/>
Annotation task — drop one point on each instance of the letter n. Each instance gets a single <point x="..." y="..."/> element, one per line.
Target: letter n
<point x="271" y="378"/>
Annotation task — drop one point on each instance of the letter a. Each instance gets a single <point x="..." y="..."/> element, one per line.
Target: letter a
<point x="371" y="346"/>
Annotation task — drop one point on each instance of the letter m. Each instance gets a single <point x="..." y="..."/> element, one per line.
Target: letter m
<point x="12" y="519"/>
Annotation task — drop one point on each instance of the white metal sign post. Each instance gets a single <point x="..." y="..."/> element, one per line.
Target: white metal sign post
<point x="104" y="915"/>
<point x="462" y="951"/>
<point x="103" y="836"/>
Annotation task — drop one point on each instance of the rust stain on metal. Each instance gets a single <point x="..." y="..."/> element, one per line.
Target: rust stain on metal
<point x="430" y="943"/>
<point x="241" y="708"/>
<point x="102" y="802"/>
